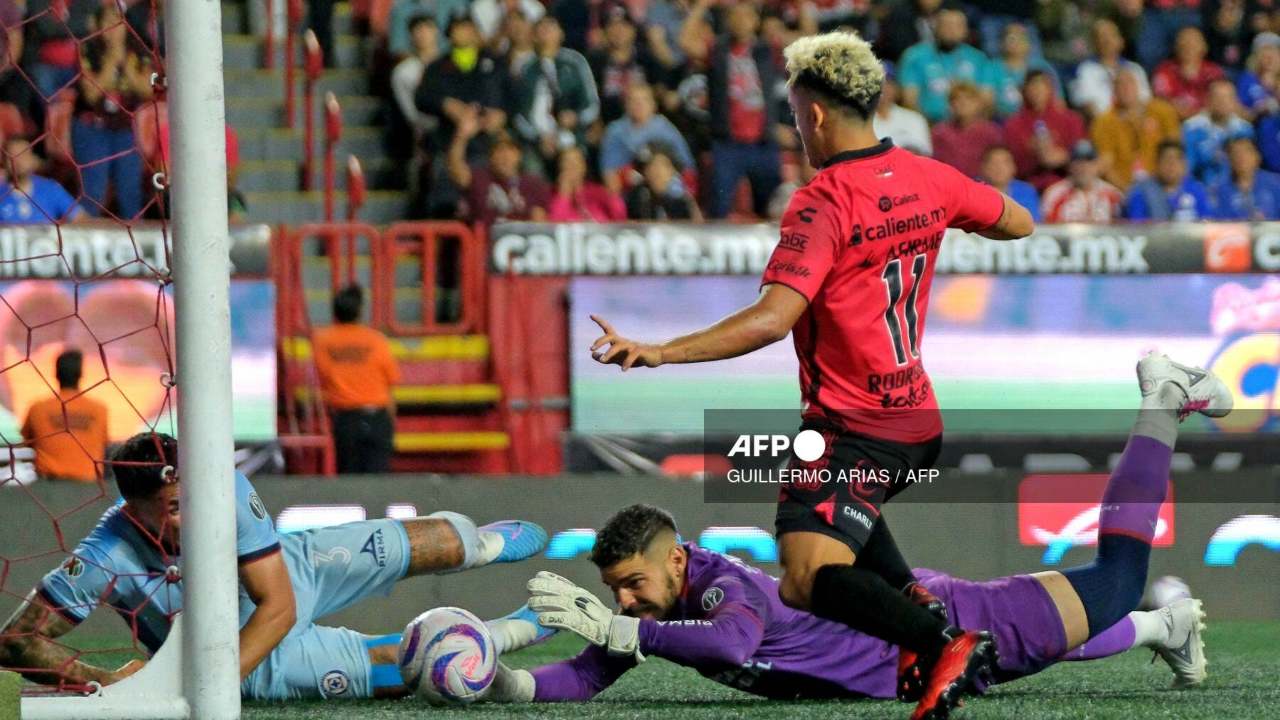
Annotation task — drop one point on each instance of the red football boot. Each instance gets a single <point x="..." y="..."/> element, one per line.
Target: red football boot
<point x="911" y="667"/>
<point x="968" y="657"/>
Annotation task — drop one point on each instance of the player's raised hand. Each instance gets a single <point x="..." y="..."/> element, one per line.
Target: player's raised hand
<point x="563" y="605"/>
<point x="622" y="351"/>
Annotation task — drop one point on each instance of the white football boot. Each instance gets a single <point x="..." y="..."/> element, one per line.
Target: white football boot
<point x="1204" y="392"/>
<point x="1183" y="647"/>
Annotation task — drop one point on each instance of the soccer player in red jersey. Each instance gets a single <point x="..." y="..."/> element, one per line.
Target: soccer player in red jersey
<point x="850" y="281"/>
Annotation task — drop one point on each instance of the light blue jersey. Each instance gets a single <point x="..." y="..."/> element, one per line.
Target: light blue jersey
<point x="119" y="565"/>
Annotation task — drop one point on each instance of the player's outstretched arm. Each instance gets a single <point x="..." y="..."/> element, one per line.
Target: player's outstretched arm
<point x="266" y="580"/>
<point x="27" y="644"/>
<point x="1015" y="222"/>
<point x="761" y="323"/>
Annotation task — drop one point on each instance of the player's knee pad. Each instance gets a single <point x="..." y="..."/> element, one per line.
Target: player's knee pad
<point x="467" y="533"/>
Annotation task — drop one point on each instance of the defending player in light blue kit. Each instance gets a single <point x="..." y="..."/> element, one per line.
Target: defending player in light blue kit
<point x="130" y="562"/>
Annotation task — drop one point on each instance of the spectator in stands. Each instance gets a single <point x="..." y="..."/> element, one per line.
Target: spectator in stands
<point x="1096" y="77"/>
<point x="1170" y="194"/>
<point x="1259" y="84"/>
<point x="662" y="195"/>
<point x="115" y="80"/>
<point x="516" y="48"/>
<point x="69" y="431"/>
<point x="488" y="14"/>
<point x="962" y="141"/>
<point x="663" y="23"/>
<point x="928" y="68"/>
<point x="909" y="22"/>
<point x="1206" y="134"/>
<point x="15" y="87"/>
<point x="1128" y="17"/>
<point x="52" y="29"/>
<point x="1184" y="79"/>
<point x="1010" y="70"/>
<point x="1247" y="192"/>
<point x="1041" y="133"/>
<point x="357" y="373"/>
<point x="1226" y="30"/>
<point x="641" y="128"/>
<point x="407" y="76"/>
<point x="907" y="128"/>
<point x="555" y="101"/>
<point x="577" y="199"/>
<point x="27" y="198"/>
<point x="619" y="64"/>
<point x="1064" y="27"/>
<point x="498" y="190"/>
<point x="998" y="171"/>
<point x="1128" y="134"/>
<point x="400" y="19"/>
<point x="1083" y="196"/>
<point x="463" y="83"/>
<point x="744" y="117"/>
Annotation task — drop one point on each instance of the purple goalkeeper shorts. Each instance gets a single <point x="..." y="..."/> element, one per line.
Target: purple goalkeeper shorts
<point x="1018" y="612"/>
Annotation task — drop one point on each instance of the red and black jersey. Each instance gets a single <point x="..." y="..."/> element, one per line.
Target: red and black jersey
<point x="860" y="242"/>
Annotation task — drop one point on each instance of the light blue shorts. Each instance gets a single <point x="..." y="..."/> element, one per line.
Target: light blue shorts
<point x="332" y="569"/>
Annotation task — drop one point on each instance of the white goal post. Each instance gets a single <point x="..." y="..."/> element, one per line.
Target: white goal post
<point x="196" y="673"/>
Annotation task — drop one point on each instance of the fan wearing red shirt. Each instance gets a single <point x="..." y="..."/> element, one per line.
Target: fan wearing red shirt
<point x="1185" y="78"/>
<point x="850" y="280"/>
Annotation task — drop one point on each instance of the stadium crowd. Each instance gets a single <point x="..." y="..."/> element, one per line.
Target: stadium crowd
<point x="676" y="109"/>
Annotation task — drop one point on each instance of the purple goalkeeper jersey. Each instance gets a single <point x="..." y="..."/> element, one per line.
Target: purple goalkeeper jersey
<point x="730" y="625"/>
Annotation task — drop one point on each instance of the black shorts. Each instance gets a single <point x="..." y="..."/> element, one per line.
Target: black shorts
<point x="861" y="473"/>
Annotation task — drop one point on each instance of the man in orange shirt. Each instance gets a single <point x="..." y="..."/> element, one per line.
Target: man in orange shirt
<point x="68" y="432"/>
<point x="356" y="374"/>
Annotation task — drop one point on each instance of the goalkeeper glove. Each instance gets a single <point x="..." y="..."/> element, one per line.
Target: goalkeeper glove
<point x="563" y="605"/>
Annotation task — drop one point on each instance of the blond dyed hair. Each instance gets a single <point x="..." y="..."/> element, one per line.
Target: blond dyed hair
<point x="839" y="65"/>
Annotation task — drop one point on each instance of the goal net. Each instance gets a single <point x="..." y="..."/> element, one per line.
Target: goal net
<point x="94" y="308"/>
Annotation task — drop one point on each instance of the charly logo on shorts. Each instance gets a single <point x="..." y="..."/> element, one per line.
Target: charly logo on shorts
<point x="255" y="504"/>
<point x="376" y="548"/>
<point x="712" y="598"/>
<point x="335" y="683"/>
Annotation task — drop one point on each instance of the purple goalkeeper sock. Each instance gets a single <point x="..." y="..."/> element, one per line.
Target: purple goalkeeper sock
<point x="1131" y="502"/>
<point x="1114" y="640"/>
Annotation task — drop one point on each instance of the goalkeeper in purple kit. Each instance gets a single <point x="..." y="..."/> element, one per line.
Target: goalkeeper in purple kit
<point x="723" y="618"/>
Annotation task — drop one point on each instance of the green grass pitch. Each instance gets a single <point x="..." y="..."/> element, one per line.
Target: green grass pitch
<point x="1244" y="669"/>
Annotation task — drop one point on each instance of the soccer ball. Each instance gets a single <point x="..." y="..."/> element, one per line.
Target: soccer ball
<point x="1166" y="590"/>
<point x="447" y="657"/>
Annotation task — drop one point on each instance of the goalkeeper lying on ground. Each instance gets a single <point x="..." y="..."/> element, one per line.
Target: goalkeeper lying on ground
<point x="724" y="618"/>
<point x="287" y="582"/>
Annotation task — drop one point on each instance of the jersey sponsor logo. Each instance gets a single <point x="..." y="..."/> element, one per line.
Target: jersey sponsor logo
<point x="793" y="241"/>
<point x="915" y="396"/>
<point x="687" y="623"/>
<point x="806" y="214"/>
<point x="894" y="226"/>
<point x="376" y="547"/>
<point x="73" y="567"/>
<point x="916" y="246"/>
<point x="335" y="683"/>
<point x="887" y="203"/>
<point x="712" y="598"/>
<point x="789" y="268"/>
<point x="256" y="507"/>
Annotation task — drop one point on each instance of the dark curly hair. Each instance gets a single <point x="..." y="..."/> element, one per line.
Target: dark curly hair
<point x="139" y="464"/>
<point x="630" y="531"/>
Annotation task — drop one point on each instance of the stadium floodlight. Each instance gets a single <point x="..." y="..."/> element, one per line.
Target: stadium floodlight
<point x="196" y="672"/>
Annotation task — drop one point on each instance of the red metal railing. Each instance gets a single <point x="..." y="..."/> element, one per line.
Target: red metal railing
<point x="355" y="187"/>
<point x="423" y="242"/>
<point x="293" y="19"/>
<point x="332" y="134"/>
<point x="314" y="60"/>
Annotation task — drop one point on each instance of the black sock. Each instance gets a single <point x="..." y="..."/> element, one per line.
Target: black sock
<point x="865" y="602"/>
<point x="881" y="556"/>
